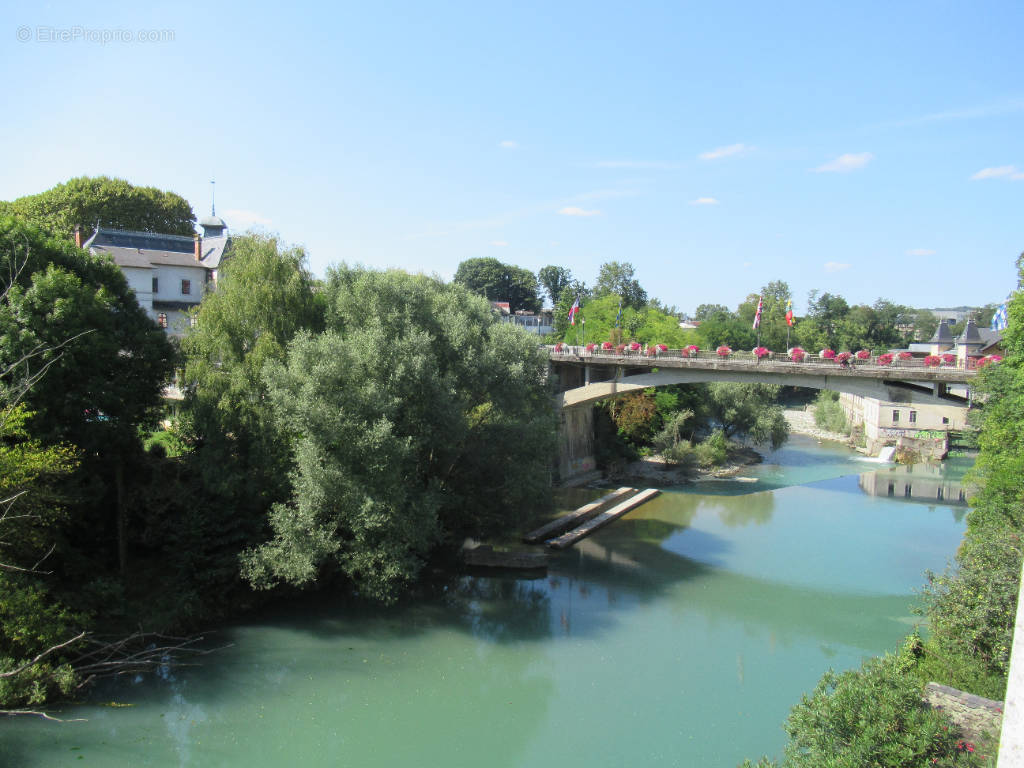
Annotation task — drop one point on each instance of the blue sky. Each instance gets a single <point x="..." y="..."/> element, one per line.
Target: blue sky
<point x="870" y="149"/>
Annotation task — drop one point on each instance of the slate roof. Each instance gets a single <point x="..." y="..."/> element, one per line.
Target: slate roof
<point x="942" y="335"/>
<point x="144" y="249"/>
<point x="970" y="334"/>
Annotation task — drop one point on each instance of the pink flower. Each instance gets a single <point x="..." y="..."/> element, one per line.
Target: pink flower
<point x="905" y="356"/>
<point x="634" y="345"/>
<point x="948" y="359"/>
<point x="606" y="345"/>
<point x="723" y="351"/>
<point x="932" y="361"/>
<point x="662" y="348"/>
<point x="828" y="354"/>
<point x="885" y="359"/>
<point x="760" y="352"/>
<point x="590" y="347"/>
<point x="843" y="358"/>
<point x="863" y="354"/>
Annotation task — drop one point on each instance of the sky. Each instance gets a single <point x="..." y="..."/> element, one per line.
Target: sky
<point x="872" y="150"/>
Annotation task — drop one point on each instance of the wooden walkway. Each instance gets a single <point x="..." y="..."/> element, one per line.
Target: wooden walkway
<point x="602" y="519"/>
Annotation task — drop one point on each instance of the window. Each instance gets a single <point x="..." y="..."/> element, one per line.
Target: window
<point x="913" y="417"/>
<point x="186" y="287"/>
<point x="161" y="320"/>
<point x="895" y="417"/>
<point x="945" y="419"/>
<point x="156" y="285"/>
<point x="193" y="321"/>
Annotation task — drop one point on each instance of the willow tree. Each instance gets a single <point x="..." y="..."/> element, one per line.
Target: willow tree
<point x="416" y="419"/>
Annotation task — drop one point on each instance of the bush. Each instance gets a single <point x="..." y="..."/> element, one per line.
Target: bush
<point x="828" y="414"/>
<point x="872" y="716"/>
<point x="713" y="450"/>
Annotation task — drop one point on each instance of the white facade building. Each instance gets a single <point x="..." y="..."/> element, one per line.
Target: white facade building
<point x="169" y="273"/>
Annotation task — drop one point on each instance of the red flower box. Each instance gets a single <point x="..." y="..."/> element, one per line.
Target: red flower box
<point x="723" y="351"/>
<point x="662" y="348"/>
<point x="932" y="361"/>
<point x="760" y="352"/>
<point x="843" y="358"/>
<point x="607" y="345"/>
<point x="948" y="359"/>
<point x="591" y="347"/>
<point x="634" y="345"/>
<point x="691" y="351"/>
<point x="828" y="354"/>
<point x="620" y="349"/>
<point x="797" y="355"/>
<point x="559" y="347"/>
<point x="885" y="359"/>
<point x="905" y="356"/>
<point x="863" y="355"/>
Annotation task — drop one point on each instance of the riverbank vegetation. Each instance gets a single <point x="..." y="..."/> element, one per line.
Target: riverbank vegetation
<point x="695" y="426"/>
<point x="873" y="716"/>
<point x="337" y="434"/>
<point x="828" y="414"/>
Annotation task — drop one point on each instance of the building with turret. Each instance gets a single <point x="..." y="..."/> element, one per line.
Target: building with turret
<point x="170" y="274"/>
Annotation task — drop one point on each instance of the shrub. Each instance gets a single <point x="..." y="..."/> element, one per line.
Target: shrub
<point x="828" y="414"/>
<point x="713" y="450"/>
<point x="872" y="716"/>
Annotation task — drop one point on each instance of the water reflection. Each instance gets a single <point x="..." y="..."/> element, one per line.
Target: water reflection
<point x="922" y="483"/>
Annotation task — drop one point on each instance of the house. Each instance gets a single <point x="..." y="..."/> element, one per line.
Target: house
<point x="169" y="273"/>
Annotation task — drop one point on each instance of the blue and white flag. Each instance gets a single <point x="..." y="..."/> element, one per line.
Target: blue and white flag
<point x="999" y="319"/>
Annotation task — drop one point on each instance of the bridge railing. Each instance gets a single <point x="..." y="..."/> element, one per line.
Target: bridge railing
<point x="746" y="358"/>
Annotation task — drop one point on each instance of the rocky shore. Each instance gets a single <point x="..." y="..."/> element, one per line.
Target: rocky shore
<point x="801" y="422"/>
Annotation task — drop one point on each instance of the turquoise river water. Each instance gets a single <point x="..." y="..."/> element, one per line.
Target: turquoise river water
<point x="679" y="636"/>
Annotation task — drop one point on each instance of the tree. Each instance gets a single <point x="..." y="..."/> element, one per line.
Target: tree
<point x="706" y="311"/>
<point x="417" y="419"/>
<point x="925" y="322"/>
<point x="490" y="278"/>
<point x="617" y="278"/>
<point x="87" y="201"/>
<point x="774" y="297"/>
<point x="820" y="326"/>
<point x="100" y="390"/>
<point x="264" y="297"/>
<point x="747" y="409"/>
<point x="555" y="280"/>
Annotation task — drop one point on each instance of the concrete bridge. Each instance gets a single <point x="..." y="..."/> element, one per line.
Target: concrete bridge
<point x="585" y="377"/>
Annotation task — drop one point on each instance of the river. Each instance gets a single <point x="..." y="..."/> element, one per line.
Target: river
<point x="679" y="636"/>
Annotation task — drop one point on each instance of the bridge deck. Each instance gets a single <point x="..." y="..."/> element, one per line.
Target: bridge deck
<point x="900" y="370"/>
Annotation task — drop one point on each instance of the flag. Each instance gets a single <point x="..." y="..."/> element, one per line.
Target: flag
<point x="789" y="313"/>
<point x="757" y="315"/>
<point x="618" y="317"/>
<point x="573" y="311"/>
<point x="999" y="319"/>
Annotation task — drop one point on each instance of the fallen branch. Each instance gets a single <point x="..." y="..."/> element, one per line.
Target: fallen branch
<point x="44" y="715"/>
<point x="43" y="655"/>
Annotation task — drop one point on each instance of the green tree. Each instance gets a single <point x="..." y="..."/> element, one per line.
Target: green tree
<point x="554" y="280"/>
<point x="925" y="322"/>
<point x="99" y="390"/>
<point x="747" y="409"/>
<point x="490" y="278"/>
<point x="264" y="297"/>
<point x="85" y="201"/>
<point x="417" y="419"/>
<point x="820" y="327"/>
<point x="618" y="278"/>
<point x="705" y="311"/>
<point x="774" y="298"/>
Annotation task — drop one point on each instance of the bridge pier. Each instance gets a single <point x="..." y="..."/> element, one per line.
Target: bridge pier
<point x="576" y="442"/>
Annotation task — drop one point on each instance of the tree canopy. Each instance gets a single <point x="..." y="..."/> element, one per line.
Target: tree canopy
<point x="87" y="201"/>
<point x="490" y="278"/>
<point x="618" y="278"/>
<point x="554" y="280"/>
<point x="411" y="408"/>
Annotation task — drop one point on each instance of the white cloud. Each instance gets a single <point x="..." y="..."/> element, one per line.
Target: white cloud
<point x="845" y="163"/>
<point x="835" y="266"/>
<point x="239" y="219"/>
<point x="704" y="201"/>
<point x="509" y="144"/>
<point x="572" y="210"/>
<point x="727" y="151"/>
<point x="499" y="243"/>
<point x="920" y="252"/>
<point x="636" y="164"/>
<point x="1008" y="171"/>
